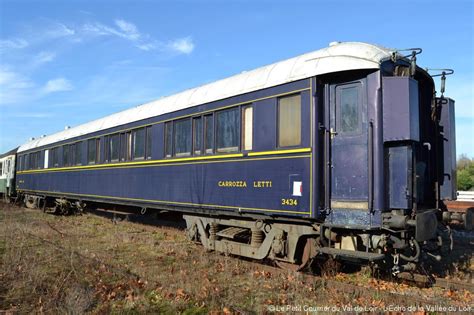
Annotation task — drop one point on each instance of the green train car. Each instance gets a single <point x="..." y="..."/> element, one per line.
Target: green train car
<point x="7" y="174"/>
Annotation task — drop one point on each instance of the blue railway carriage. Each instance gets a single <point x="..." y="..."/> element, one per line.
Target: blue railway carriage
<point x="336" y="152"/>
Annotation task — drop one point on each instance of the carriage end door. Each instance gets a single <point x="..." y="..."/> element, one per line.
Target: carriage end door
<point x="349" y="150"/>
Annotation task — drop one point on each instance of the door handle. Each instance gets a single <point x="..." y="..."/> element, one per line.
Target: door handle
<point x="332" y="133"/>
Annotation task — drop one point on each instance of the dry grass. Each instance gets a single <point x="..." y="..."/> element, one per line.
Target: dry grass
<point x="78" y="264"/>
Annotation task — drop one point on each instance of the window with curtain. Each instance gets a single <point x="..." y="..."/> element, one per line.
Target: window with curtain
<point x="139" y="144"/>
<point x="114" y="147"/>
<point x="91" y="151"/>
<point x="78" y="153"/>
<point x="148" y="142"/>
<point x="289" y="121"/>
<point x="209" y="134"/>
<point x="168" y="139"/>
<point x="182" y="137"/>
<point x="228" y="130"/>
<point x="197" y="135"/>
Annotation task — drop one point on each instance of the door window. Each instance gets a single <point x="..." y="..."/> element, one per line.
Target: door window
<point x="349" y="109"/>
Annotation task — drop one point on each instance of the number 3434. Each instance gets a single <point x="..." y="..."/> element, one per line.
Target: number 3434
<point x="289" y="202"/>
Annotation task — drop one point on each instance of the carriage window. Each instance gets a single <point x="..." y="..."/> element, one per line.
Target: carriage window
<point x="78" y="153"/>
<point x="56" y="156"/>
<point x="139" y="144"/>
<point x="209" y="133"/>
<point x="168" y="139"/>
<point x="53" y="161"/>
<point x="289" y="121"/>
<point x="148" y="142"/>
<point x="197" y="135"/>
<point x="113" y="148"/>
<point x="106" y="149"/>
<point x="228" y="130"/>
<point x="1" y="168"/>
<point x="182" y="137"/>
<point x="72" y="152"/>
<point x="247" y="124"/>
<point x="65" y="155"/>
<point x="33" y="160"/>
<point x="126" y="146"/>
<point x="93" y="149"/>
<point x="349" y="110"/>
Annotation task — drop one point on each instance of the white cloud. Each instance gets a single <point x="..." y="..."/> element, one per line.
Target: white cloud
<point x="59" y="30"/>
<point x="57" y="85"/>
<point x="182" y="45"/>
<point x="147" y="46"/>
<point x="125" y="30"/>
<point x="121" y="28"/>
<point x="43" y="57"/>
<point x="17" y="43"/>
<point x="129" y="30"/>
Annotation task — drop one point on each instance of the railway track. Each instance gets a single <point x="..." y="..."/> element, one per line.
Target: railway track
<point x="415" y="279"/>
<point x="322" y="282"/>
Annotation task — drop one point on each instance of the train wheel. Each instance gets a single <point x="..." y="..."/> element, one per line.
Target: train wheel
<point x="30" y="202"/>
<point x="309" y="251"/>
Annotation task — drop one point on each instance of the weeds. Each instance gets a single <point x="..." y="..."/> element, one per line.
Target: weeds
<point x="88" y="264"/>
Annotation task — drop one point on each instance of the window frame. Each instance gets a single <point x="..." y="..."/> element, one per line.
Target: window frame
<point x="109" y="148"/>
<point x="78" y="153"/>
<point x="218" y="150"/>
<point x="194" y="138"/>
<point x="148" y="142"/>
<point x="134" y="146"/>
<point x="278" y="127"/>
<point x="213" y="133"/>
<point x="168" y="139"/>
<point x="93" y="143"/>
<point x="338" y="119"/>
<point x="189" y="121"/>
<point x="242" y="127"/>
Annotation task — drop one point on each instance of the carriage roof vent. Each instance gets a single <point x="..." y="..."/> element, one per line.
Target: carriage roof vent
<point x="67" y="127"/>
<point x="42" y="136"/>
<point x="334" y="43"/>
<point x="32" y="138"/>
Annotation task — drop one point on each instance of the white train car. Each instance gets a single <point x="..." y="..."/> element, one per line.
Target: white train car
<point x="7" y="174"/>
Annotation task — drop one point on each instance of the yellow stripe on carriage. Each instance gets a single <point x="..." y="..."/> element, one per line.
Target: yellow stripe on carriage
<point x="165" y="161"/>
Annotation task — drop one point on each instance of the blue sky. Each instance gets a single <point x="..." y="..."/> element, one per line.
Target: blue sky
<point x="69" y="62"/>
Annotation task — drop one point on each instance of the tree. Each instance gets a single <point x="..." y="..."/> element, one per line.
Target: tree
<point x="465" y="173"/>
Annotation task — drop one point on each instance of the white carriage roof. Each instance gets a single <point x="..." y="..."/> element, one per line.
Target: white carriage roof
<point x="336" y="57"/>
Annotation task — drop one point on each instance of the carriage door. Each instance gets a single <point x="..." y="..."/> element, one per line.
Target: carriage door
<point x="348" y="142"/>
